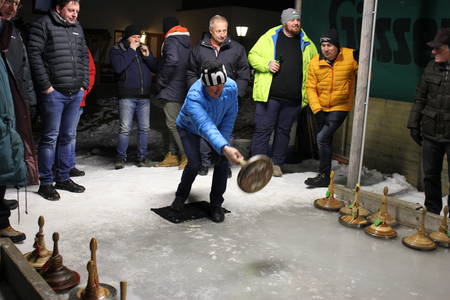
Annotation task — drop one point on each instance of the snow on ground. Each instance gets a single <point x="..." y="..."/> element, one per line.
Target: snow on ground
<point x="115" y="208"/>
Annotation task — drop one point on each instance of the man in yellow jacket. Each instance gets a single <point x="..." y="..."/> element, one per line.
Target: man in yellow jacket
<point x="280" y="58"/>
<point x="331" y="90"/>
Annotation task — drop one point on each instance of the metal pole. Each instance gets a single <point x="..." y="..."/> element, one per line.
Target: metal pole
<point x="298" y="5"/>
<point x="362" y="93"/>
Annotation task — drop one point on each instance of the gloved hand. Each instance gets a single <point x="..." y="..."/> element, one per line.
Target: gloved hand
<point x="416" y="136"/>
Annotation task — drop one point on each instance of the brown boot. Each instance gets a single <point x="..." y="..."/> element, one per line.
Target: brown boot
<point x="14" y="235"/>
<point x="169" y="161"/>
<point x="183" y="162"/>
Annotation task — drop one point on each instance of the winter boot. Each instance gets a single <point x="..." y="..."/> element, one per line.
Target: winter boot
<point x="178" y="204"/>
<point x="203" y="171"/>
<point x="74" y="172"/>
<point x="169" y="161"/>
<point x="10" y="204"/>
<point x="183" y="162"/>
<point x="277" y="171"/>
<point x="119" y="163"/>
<point x="144" y="163"/>
<point x="217" y="214"/>
<point x="321" y="180"/>
<point x="49" y="192"/>
<point x="69" y="186"/>
<point x="14" y="235"/>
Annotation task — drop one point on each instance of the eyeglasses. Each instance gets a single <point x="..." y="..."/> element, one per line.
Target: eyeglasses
<point x="15" y="3"/>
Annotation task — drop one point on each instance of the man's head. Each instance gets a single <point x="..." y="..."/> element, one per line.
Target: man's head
<point x="290" y="18"/>
<point x="8" y="8"/>
<point x="329" y="44"/>
<point x="169" y="23"/>
<point x="218" y="27"/>
<point x="68" y="10"/>
<point x="441" y="45"/>
<point x="213" y="76"/>
<point x="132" y="33"/>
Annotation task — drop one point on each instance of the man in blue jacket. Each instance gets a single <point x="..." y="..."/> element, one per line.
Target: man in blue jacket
<point x="133" y="63"/>
<point x="209" y="112"/>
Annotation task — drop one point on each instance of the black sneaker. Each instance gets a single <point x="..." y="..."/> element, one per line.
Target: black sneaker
<point x="70" y="186"/>
<point x="144" y="163"/>
<point x="14" y="235"/>
<point x="177" y="204"/>
<point x="10" y="204"/>
<point x="119" y="163"/>
<point x="48" y="192"/>
<point x="217" y="214"/>
<point x="203" y="171"/>
<point x="74" y="172"/>
<point x="321" y="180"/>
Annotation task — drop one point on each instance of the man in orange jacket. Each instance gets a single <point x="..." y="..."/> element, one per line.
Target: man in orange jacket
<point x="331" y="90"/>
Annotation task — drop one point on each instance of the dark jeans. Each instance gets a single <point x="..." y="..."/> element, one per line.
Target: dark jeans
<point x="432" y="160"/>
<point x="332" y="121"/>
<point x="269" y="116"/>
<point x="5" y="213"/>
<point x="59" y="113"/>
<point x="73" y="145"/>
<point x="191" y="144"/>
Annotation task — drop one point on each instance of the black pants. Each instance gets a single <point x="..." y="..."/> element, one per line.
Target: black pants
<point x="432" y="160"/>
<point x="5" y="213"/>
<point x="191" y="144"/>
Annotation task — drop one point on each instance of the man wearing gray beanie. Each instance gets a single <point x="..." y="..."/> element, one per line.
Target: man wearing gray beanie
<point x="280" y="58"/>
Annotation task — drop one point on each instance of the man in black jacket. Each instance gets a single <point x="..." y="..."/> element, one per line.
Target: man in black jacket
<point x="133" y="63"/>
<point x="216" y="45"/>
<point x="173" y="87"/>
<point x="429" y="120"/>
<point x="59" y="64"/>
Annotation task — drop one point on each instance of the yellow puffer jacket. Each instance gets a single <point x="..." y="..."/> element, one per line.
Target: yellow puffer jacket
<point x="332" y="88"/>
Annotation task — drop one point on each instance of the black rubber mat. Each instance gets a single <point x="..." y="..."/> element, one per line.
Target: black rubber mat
<point x="191" y="211"/>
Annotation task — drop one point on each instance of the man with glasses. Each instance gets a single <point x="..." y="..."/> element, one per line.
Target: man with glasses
<point x="59" y="63"/>
<point x="429" y="120"/>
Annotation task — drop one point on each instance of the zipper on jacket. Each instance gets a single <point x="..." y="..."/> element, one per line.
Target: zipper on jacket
<point x="140" y="73"/>
<point x="72" y="56"/>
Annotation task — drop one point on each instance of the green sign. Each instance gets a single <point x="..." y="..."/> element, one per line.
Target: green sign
<point x="403" y="27"/>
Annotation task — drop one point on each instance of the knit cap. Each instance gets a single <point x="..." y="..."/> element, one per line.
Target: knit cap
<point x="289" y="14"/>
<point x="131" y="30"/>
<point x="213" y="73"/>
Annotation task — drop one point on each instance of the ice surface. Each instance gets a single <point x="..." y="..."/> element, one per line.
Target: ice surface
<point x="273" y="244"/>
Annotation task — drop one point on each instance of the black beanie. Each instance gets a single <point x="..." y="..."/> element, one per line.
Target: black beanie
<point x="131" y="30"/>
<point x="169" y="22"/>
<point x="331" y="37"/>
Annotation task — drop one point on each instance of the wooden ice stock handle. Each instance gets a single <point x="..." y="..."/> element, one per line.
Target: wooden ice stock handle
<point x="123" y="290"/>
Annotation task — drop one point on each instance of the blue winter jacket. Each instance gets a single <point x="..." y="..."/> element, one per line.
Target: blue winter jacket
<point x="211" y="118"/>
<point x="134" y="70"/>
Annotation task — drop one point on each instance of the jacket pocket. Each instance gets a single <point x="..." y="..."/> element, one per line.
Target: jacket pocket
<point x="429" y="122"/>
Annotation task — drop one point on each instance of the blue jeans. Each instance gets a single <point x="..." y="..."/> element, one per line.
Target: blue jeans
<point x="191" y="144"/>
<point x="59" y="113"/>
<point x="127" y="109"/>
<point x="73" y="145"/>
<point x="278" y="116"/>
<point x="333" y="120"/>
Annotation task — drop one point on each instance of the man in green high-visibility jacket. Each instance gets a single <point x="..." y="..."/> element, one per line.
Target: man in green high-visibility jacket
<point x="280" y="58"/>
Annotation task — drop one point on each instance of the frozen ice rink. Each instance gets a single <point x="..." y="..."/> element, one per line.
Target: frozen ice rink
<point x="273" y="244"/>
